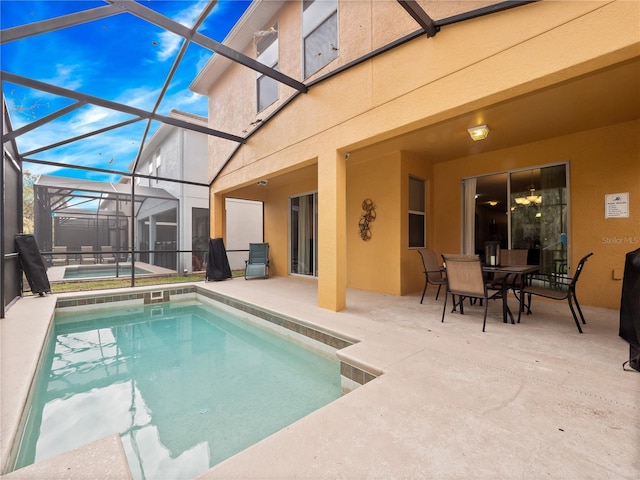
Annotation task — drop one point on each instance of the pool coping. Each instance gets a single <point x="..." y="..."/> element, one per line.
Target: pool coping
<point x="353" y="373"/>
<point x="533" y="399"/>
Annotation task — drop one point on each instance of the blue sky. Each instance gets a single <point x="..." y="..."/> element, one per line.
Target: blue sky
<point x="119" y="58"/>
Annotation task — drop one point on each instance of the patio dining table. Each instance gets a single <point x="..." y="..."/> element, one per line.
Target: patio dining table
<point x="509" y="271"/>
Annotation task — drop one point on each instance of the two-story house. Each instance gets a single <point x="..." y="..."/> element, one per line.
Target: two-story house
<point x="458" y="122"/>
<point x="181" y="224"/>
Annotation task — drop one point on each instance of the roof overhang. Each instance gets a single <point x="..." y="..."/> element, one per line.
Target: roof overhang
<point x="61" y="188"/>
<point x="253" y="20"/>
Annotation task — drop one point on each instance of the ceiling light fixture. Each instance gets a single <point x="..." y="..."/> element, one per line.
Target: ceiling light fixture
<point x="532" y="198"/>
<point x="262" y="183"/>
<point x="478" y="133"/>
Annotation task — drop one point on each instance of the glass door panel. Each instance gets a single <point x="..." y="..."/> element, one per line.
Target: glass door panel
<point x="303" y="220"/>
<point x="491" y="206"/>
<point x="539" y="216"/>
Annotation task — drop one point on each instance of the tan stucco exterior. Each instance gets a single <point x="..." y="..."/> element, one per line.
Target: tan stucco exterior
<point x="405" y="112"/>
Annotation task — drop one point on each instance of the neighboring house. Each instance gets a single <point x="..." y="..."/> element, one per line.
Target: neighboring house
<point x="183" y="224"/>
<point x="556" y="83"/>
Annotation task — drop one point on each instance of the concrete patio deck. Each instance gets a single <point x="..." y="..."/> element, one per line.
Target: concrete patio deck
<point x="530" y="400"/>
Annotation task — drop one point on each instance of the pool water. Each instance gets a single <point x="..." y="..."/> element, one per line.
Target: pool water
<point x="91" y="271"/>
<point x="185" y="385"/>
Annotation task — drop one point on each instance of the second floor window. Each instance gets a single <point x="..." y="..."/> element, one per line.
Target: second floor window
<point x="320" y="34"/>
<point x="267" y="53"/>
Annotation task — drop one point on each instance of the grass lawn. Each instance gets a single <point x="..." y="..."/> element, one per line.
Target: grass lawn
<point x="86" y="285"/>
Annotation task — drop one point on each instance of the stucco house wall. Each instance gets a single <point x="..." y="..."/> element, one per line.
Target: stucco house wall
<point x="360" y="118"/>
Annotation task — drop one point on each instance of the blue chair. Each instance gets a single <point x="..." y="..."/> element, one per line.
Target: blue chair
<point x="258" y="264"/>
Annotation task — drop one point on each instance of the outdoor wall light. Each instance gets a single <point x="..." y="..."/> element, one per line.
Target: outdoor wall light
<point x="478" y="133"/>
<point x="262" y="183"/>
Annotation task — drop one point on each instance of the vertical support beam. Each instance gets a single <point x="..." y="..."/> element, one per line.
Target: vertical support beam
<point x="216" y="215"/>
<point x="2" y="219"/>
<point x="133" y="229"/>
<point x="332" y="228"/>
<point x="152" y="239"/>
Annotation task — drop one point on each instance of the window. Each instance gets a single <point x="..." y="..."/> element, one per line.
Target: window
<point x="539" y="216"/>
<point x="303" y="226"/>
<point x="267" y="90"/>
<point x="150" y="170"/>
<point x="320" y="33"/>
<point x="417" y="215"/>
<point x="158" y="164"/>
<point x="522" y="209"/>
<point x="267" y="54"/>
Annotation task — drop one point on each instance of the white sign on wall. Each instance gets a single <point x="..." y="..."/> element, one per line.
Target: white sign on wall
<point x="616" y="205"/>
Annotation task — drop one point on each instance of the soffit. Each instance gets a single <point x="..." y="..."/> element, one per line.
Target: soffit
<point x="242" y="34"/>
<point x="601" y="98"/>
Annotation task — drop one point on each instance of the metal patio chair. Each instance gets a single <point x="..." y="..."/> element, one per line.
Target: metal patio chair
<point x="464" y="279"/>
<point x="59" y="256"/>
<point x="558" y="289"/>
<point x="511" y="257"/>
<point x="433" y="271"/>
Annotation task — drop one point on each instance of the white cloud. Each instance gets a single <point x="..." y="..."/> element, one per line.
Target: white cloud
<point x="139" y="97"/>
<point x="169" y="45"/>
<point x="202" y="61"/>
<point x="67" y="76"/>
<point x="188" y="16"/>
<point x="185" y="98"/>
<point x="170" y="42"/>
<point x="90" y="118"/>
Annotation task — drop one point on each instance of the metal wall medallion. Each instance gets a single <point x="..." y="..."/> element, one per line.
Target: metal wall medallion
<point x="366" y="218"/>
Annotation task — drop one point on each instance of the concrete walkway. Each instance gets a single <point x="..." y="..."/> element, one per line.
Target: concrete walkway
<point x="524" y="401"/>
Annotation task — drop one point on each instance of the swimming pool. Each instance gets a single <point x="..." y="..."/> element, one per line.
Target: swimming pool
<point x="90" y="271"/>
<point x="185" y="384"/>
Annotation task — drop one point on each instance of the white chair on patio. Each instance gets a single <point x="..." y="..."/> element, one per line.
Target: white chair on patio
<point x="87" y="257"/>
<point x="59" y="257"/>
<point x="107" y="254"/>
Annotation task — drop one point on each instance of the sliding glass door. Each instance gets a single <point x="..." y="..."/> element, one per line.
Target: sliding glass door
<point x="303" y="234"/>
<point x="539" y="216"/>
<point x="525" y="209"/>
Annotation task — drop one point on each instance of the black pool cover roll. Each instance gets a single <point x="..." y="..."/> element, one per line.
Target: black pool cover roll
<point x="32" y="264"/>
<point x="630" y="307"/>
<point x="217" y="261"/>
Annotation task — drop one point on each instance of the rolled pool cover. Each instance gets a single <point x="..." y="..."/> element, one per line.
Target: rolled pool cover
<point x="217" y="262"/>
<point x="32" y="264"/>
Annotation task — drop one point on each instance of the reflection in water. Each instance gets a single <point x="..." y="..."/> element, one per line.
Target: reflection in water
<point x="184" y="386"/>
